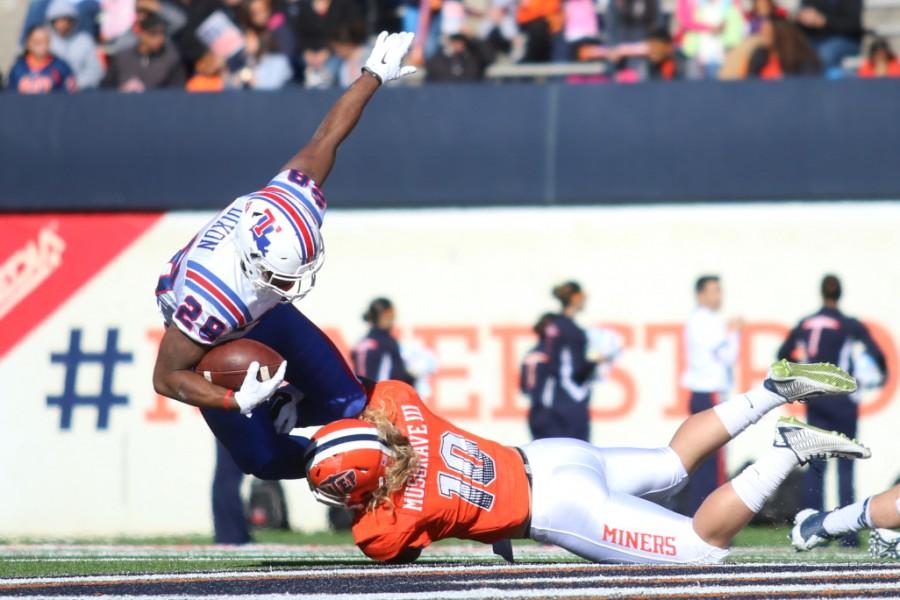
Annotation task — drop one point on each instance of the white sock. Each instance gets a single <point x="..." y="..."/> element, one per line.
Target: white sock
<point x="848" y="518"/>
<point x="739" y="412"/>
<point x="760" y="480"/>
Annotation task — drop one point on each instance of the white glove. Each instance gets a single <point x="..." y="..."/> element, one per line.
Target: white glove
<point x="254" y="392"/>
<point x="387" y="55"/>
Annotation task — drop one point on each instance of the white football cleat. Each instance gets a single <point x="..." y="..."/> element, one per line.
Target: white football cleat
<point x="809" y="530"/>
<point x="808" y="442"/>
<point x="795" y="382"/>
<point x="884" y="543"/>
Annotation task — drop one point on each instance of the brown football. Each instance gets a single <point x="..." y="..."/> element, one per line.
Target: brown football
<point x="226" y="364"/>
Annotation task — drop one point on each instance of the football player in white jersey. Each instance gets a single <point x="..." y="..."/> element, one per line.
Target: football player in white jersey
<point x="238" y="277"/>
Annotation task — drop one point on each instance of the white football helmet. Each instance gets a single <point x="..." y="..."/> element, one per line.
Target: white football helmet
<point x="280" y="245"/>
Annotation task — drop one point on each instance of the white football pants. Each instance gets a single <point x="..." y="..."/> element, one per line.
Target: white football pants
<point x="590" y="501"/>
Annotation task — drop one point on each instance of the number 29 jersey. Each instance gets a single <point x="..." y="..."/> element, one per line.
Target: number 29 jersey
<point x="203" y="289"/>
<point x="466" y="486"/>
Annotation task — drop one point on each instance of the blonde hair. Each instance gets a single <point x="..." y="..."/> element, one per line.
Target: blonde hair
<point x="404" y="465"/>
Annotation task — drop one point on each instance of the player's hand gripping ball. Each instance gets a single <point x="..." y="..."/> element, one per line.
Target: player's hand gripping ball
<point x="252" y="369"/>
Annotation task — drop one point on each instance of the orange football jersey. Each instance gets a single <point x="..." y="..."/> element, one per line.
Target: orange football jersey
<point x="466" y="487"/>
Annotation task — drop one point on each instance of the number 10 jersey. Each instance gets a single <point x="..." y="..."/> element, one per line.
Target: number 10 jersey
<point x="466" y="487"/>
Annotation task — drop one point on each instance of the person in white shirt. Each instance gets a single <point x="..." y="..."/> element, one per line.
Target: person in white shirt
<point x="712" y="347"/>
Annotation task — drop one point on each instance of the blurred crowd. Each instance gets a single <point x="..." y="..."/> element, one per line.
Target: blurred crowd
<point x="216" y="45"/>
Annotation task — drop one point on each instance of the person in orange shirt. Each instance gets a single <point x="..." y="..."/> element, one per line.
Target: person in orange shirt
<point x="208" y="76"/>
<point x="881" y="61"/>
<point x="415" y="478"/>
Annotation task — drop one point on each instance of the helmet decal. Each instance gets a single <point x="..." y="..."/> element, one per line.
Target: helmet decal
<point x="262" y="229"/>
<point x="339" y="484"/>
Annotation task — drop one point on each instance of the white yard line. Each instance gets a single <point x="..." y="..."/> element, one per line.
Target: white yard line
<point x="722" y="591"/>
<point x="799" y="570"/>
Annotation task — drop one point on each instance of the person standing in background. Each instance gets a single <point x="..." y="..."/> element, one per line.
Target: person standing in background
<point x="533" y="381"/>
<point x="711" y="347"/>
<point x="828" y="336"/>
<point x="377" y="356"/>
<point x="565" y="392"/>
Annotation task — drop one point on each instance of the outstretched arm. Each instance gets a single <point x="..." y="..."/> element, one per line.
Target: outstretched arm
<point x="317" y="158"/>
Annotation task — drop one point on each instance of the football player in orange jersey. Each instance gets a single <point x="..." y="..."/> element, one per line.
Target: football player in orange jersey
<point x="415" y="478"/>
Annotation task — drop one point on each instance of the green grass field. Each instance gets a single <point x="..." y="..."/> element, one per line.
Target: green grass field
<point x="290" y="550"/>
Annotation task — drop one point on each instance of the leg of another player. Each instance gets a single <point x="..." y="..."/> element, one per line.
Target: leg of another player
<point x="881" y="511"/>
<point x="705" y="432"/>
<point x="255" y="446"/>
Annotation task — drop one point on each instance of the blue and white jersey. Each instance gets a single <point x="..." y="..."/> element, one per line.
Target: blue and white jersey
<point x="204" y="291"/>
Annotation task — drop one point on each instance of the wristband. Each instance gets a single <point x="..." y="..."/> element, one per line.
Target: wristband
<point x="373" y="74"/>
<point x="229" y="395"/>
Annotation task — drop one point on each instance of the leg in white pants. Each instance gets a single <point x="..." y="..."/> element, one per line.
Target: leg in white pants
<point x="581" y="501"/>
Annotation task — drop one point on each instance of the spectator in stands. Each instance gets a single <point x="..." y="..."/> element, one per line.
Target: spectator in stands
<point x="75" y="47"/>
<point x="319" y="20"/>
<point x="762" y="10"/>
<point x="152" y="64"/>
<point x="711" y="346"/>
<point x="86" y="12"/>
<point x="209" y="74"/>
<point x="826" y="336"/>
<point x="880" y="62"/>
<point x="317" y="64"/>
<point x="540" y="21"/>
<point x="834" y="27"/>
<point x="708" y="29"/>
<point x="266" y="68"/>
<point x="499" y="30"/>
<point x="665" y="62"/>
<point x="628" y="26"/>
<point x="37" y="71"/>
<point x="458" y="60"/>
<point x="195" y="12"/>
<point x="259" y="16"/>
<point x="170" y="12"/>
<point x="347" y="46"/>
<point x="580" y="26"/>
<point x="783" y="51"/>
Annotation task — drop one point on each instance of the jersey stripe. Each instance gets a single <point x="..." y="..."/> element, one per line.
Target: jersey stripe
<point x="197" y="288"/>
<point x="288" y="198"/>
<point x="293" y="216"/>
<point x="296" y="193"/>
<point x="216" y="286"/>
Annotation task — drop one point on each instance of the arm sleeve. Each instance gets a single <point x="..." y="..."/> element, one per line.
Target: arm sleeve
<point x="399" y="372"/>
<point x="373" y="361"/>
<point x="861" y="332"/>
<point x="787" y="349"/>
<point x="91" y="71"/>
<point x="302" y="190"/>
<point x="392" y="544"/>
<point x="728" y="351"/>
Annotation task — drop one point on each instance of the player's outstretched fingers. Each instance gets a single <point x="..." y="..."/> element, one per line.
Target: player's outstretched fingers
<point x="278" y="377"/>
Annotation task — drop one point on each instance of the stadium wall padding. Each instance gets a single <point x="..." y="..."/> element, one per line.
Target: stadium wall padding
<point x="474" y="145"/>
<point x="88" y="448"/>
